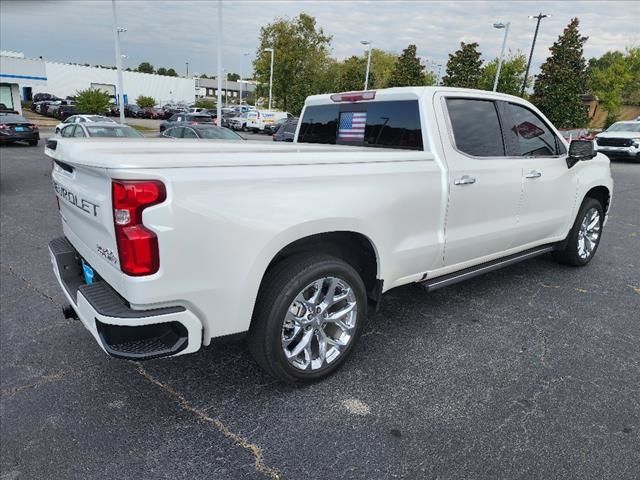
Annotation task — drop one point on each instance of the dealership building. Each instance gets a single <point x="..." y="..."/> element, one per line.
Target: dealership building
<point x="26" y="77"/>
<point x="21" y="78"/>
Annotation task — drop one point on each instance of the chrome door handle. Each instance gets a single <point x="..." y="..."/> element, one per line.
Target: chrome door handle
<point x="533" y="174"/>
<point x="464" y="180"/>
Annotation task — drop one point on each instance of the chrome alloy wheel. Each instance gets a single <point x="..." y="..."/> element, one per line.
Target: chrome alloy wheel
<point x="319" y="323"/>
<point x="589" y="233"/>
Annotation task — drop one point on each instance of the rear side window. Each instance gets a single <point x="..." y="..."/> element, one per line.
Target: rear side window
<point x="528" y="135"/>
<point x="476" y="128"/>
<point x="393" y="124"/>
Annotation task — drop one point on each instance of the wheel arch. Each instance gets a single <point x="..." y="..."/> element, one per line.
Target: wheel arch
<point x="602" y="194"/>
<point x="355" y="248"/>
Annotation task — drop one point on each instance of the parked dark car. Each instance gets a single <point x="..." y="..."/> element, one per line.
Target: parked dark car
<point x="152" y="113"/>
<point x="16" y="128"/>
<point x="185" y="117"/>
<point x="65" y="111"/>
<point x="203" y="131"/>
<point x="133" y="111"/>
<point x="271" y="128"/>
<point x="287" y="131"/>
<point x="42" y="97"/>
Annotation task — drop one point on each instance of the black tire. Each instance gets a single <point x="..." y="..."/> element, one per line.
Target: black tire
<point x="33" y="143"/>
<point x="279" y="288"/>
<point x="569" y="254"/>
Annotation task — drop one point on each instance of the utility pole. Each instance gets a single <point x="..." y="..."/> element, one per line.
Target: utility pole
<point x="540" y="16"/>
<point x="187" y="69"/>
<point x="219" y="99"/>
<point x="116" y="38"/>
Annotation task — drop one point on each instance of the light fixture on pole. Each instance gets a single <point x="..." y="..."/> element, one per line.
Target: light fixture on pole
<point x="504" y="43"/>
<point x="540" y="16"/>
<point x="366" y="76"/>
<point x="270" y="75"/>
<point x="116" y="38"/>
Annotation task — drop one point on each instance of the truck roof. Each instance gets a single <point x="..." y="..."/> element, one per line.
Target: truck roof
<point x="407" y="93"/>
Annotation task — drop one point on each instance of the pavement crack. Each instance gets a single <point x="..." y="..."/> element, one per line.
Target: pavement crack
<point x="10" y="392"/>
<point x="252" y="448"/>
<point x="29" y="285"/>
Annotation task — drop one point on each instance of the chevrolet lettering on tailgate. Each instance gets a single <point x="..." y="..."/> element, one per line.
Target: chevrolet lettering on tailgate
<point x="73" y="199"/>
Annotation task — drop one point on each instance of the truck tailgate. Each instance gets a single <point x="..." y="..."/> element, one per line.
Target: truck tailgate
<point x="84" y="199"/>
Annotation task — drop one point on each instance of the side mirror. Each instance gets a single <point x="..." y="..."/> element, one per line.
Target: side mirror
<point x="580" y="150"/>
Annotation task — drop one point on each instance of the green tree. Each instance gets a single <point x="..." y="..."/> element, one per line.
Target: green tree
<point x="144" y="102"/>
<point x="233" y="77"/>
<point x="161" y="71"/>
<point x="92" y="101"/>
<point x="383" y="64"/>
<point x="145" y="67"/>
<point x="171" y="73"/>
<point x="614" y="79"/>
<point x="350" y="75"/>
<point x="511" y="74"/>
<point x="464" y="67"/>
<point x="301" y="59"/>
<point x="408" y="70"/>
<point x="563" y="80"/>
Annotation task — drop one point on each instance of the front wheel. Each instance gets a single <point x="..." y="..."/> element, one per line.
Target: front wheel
<point x="308" y="316"/>
<point x="584" y="237"/>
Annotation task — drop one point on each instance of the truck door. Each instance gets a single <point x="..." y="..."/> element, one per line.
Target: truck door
<point x="549" y="186"/>
<point x="485" y="186"/>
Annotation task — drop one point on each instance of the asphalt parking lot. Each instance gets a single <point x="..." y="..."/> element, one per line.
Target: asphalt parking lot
<point x="532" y="372"/>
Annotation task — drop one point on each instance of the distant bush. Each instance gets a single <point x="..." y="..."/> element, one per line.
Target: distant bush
<point x="92" y="101"/>
<point x="143" y="101"/>
<point x="205" y="104"/>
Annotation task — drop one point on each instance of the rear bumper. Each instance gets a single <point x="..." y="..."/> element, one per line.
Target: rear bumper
<point x="19" y="136"/>
<point x="119" y="330"/>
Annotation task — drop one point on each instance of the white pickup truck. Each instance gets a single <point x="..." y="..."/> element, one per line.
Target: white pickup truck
<point x="168" y="245"/>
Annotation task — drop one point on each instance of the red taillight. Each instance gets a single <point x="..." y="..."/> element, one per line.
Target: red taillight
<point x="4" y="126"/>
<point x="137" y="245"/>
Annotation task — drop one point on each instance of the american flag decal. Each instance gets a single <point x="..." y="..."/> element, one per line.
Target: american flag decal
<point x="351" y="126"/>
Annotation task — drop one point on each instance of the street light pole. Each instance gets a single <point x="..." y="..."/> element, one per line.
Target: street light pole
<point x="366" y="77"/>
<point x="540" y="16"/>
<point x="242" y="75"/>
<point x="504" y="43"/>
<point x="116" y="38"/>
<point x="270" y="75"/>
<point x="219" y="96"/>
<point x="187" y="69"/>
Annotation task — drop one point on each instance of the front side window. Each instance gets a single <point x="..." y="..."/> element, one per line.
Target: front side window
<point x="476" y="127"/>
<point x="68" y="131"/>
<point x="78" y="132"/>
<point x="70" y="120"/>
<point x="175" y="132"/>
<point x="528" y="135"/>
<point x="189" y="133"/>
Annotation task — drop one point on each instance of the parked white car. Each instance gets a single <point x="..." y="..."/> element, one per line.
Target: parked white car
<point x="167" y="245"/>
<point x="258" y="119"/>
<point x="83" y="119"/>
<point x="621" y="141"/>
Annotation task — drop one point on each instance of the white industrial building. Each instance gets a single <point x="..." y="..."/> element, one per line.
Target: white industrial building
<point x="62" y="79"/>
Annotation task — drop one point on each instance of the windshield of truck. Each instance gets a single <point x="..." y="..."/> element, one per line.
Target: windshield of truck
<point x="624" y="127"/>
<point x="393" y="124"/>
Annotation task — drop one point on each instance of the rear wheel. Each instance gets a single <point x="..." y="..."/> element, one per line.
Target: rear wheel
<point x="308" y="317"/>
<point x="33" y="143"/>
<point x="585" y="235"/>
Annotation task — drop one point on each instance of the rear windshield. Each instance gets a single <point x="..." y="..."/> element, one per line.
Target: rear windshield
<point x="393" y="124"/>
<point x="624" y="127"/>
<point x="12" y="119"/>
<point x="113" y="132"/>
